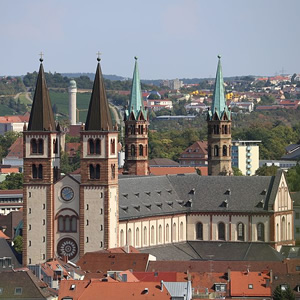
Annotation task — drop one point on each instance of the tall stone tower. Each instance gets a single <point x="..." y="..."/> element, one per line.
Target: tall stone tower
<point x="219" y="130"/>
<point x="136" y="130"/>
<point x="98" y="205"/>
<point x="72" y="102"/>
<point x="41" y="171"/>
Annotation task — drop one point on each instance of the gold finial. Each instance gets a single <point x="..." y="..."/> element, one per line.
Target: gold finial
<point x="41" y="55"/>
<point x="98" y="55"/>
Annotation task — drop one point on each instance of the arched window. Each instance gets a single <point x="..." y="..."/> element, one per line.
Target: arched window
<point x="261" y="232"/>
<point x="98" y="146"/>
<point x="141" y="150"/>
<point x="41" y="146"/>
<point x="112" y="146"/>
<point x="181" y="231"/>
<point x="61" y="225"/>
<point x="122" y="238"/>
<point x="55" y="174"/>
<point x="129" y="242"/>
<point x="224" y="150"/>
<point x="55" y="146"/>
<point x="221" y="231"/>
<point x="34" y="171"/>
<point x="160" y="234"/>
<point x="226" y="129"/>
<point x="240" y="232"/>
<point x="283" y="229"/>
<point x="92" y="172"/>
<point x="216" y="150"/>
<point x="146" y="150"/>
<point x="126" y="151"/>
<point x="67" y="224"/>
<point x="137" y="237"/>
<point x="174" y="232"/>
<point x="33" y="146"/>
<point x="73" y="224"/>
<point x="132" y="150"/>
<point x="91" y="146"/>
<point x="152" y="235"/>
<point x="145" y="235"/>
<point x="97" y="171"/>
<point x="167" y="233"/>
<point x="40" y="172"/>
<point x="199" y="231"/>
<point x="113" y="171"/>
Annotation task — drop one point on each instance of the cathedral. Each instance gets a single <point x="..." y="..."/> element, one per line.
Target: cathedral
<point x="96" y="209"/>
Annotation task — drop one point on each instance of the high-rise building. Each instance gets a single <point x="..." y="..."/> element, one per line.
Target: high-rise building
<point x="219" y="130"/>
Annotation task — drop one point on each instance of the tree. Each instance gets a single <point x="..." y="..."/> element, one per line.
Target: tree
<point x="267" y="171"/>
<point x="12" y="181"/>
<point x="18" y="244"/>
<point x="281" y="294"/>
<point x="237" y="171"/>
<point x="293" y="178"/>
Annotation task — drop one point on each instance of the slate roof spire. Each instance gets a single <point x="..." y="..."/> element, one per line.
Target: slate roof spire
<point x="98" y="117"/>
<point x="219" y="105"/>
<point x="136" y="104"/>
<point x="41" y="116"/>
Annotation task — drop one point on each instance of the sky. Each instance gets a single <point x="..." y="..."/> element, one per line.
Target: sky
<point x="171" y="38"/>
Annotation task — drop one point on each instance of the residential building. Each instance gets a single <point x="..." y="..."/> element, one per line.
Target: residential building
<point x="292" y="152"/>
<point x="282" y="164"/>
<point x="13" y="123"/>
<point x="10" y="200"/>
<point x="195" y="155"/>
<point x="245" y="156"/>
<point x="14" y="157"/>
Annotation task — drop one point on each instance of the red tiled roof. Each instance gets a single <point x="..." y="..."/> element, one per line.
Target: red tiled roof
<point x="14" y="119"/>
<point x="177" y="170"/>
<point x="3" y="235"/>
<point x="10" y="192"/>
<point x="158" y="276"/>
<point x="74" y="130"/>
<point x="72" y="148"/>
<point x="16" y="149"/>
<point x="250" y="284"/>
<point x="103" y="262"/>
<point x="90" y="290"/>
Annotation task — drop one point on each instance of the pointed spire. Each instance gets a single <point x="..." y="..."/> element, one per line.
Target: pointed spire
<point x="136" y="104"/>
<point x="219" y="105"/>
<point x="98" y="117"/>
<point x="41" y="116"/>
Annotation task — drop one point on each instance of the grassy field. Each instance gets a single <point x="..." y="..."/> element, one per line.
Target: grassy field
<point x="23" y="99"/>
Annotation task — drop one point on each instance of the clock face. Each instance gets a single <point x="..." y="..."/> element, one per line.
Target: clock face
<point x="67" y="193"/>
<point x="67" y="247"/>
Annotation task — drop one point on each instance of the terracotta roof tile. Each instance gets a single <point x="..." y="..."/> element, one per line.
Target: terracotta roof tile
<point x="16" y="149"/>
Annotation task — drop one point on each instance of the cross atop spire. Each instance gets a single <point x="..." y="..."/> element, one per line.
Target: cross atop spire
<point x="98" y="56"/>
<point x="136" y="105"/>
<point x="219" y="105"/>
<point x="41" y="55"/>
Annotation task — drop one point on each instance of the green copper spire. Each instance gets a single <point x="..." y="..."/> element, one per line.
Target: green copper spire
<point x="219" y="105"/>
<point x="136" y="104"/>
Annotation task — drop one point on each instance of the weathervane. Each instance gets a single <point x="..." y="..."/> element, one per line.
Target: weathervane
<point x="41" y="54"/>
<point x="98" y="55"/>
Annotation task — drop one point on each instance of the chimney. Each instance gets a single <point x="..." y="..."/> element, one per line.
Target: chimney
<point x="228" y="274"/>
<point x="161" y="285"/>
<point x="271" y="276"/>
<point x="126" y="248"/>
<point x="146" y="290"/>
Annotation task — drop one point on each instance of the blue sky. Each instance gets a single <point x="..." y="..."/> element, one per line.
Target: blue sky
<point x="172" y="38"/>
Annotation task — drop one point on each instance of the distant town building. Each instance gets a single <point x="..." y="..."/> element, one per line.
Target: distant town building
<point x="174" y="84"/>
<point x="13" y="123"/>
<point x="282" y="164"/>
<point x="292" y="152"/>
<point x="14" y="157"/>
<point x="195" y="155"/>
<point x="245" y="156"/>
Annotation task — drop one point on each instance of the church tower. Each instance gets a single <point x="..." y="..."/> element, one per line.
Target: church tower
<point x="136" y="130"/>
<point x="41" y="144"/>
<point x="98" y="205"/>
<point x="219" y="130"/>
